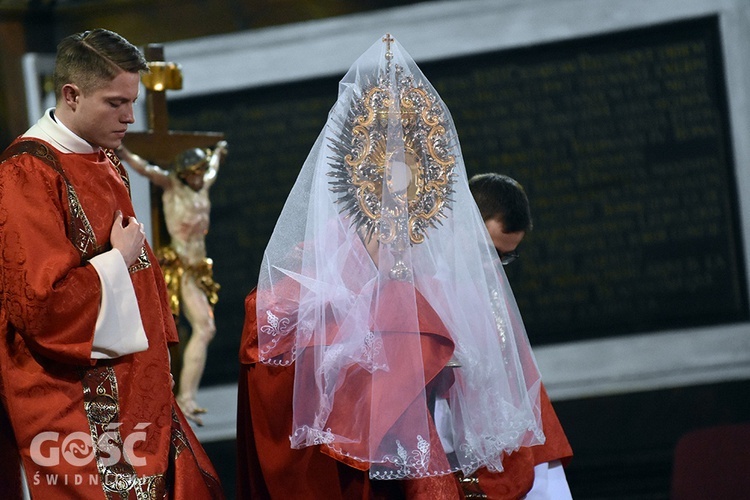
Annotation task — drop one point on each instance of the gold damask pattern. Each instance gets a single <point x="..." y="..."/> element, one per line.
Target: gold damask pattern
<point x="79" y="230"/>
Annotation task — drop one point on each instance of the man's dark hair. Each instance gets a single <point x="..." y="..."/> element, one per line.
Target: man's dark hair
<point x="503" y="198"/>
<point x="91" y="58"/>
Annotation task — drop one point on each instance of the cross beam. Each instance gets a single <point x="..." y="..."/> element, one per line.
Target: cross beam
<point x="159" y="145"/>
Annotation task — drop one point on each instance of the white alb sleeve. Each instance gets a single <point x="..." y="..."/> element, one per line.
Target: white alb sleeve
<point x="550" y="483"/>
<point x="119" y="329"/>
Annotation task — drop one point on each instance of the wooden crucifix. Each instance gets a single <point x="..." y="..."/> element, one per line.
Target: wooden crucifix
<point x="188" y="272"/>
<point x="159" y="145"/>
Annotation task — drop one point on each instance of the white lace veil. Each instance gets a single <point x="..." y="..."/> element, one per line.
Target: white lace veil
<point x="381" y="284"/>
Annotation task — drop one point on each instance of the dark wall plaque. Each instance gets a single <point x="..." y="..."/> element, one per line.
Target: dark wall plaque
<point x="623" y="143"/>
<point x="621" y="140"/>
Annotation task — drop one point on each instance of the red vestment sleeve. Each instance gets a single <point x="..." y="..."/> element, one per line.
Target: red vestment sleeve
<point x="249" y="341"/>
<point x="48" y="297"/>
<point x="556" y="446"/>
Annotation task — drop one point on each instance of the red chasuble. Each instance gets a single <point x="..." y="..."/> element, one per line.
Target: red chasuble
<point x="267" y="463"/>
<point x="83" y="428"/>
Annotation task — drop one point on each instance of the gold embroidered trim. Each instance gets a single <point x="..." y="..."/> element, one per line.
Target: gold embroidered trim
<point x="141" y="263"/>
<point x="102" y="407"/>
<point x="179" y="441"/>
<point x="117" y="165"/>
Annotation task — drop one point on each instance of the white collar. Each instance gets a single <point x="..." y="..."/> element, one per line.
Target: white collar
<point x="53" y="131"/>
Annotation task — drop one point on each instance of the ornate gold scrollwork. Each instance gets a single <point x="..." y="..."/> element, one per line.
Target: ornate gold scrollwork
<point x="420" y="174"/>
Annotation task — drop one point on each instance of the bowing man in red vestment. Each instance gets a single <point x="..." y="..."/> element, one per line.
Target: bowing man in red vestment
<point x="86" y="325"/>
<point x="380" y="297"/>
<point x="536" y="472"/>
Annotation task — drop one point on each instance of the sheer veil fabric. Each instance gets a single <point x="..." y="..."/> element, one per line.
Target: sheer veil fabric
<point x="382" y="286"/>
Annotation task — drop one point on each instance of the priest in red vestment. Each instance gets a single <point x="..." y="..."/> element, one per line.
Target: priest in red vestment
<point x="267" y="463"/>
<point x="383" y="354"/>
<point x="85" y="382"/>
